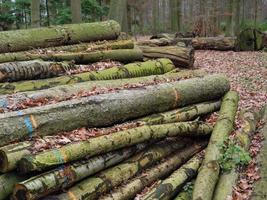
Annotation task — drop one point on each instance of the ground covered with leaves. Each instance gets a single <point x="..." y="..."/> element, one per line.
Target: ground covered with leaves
<point x="247" y="72"/>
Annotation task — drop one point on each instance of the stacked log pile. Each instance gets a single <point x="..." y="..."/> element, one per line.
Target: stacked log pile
<point x="137" y="126"/>
<point x="249" y="39"/>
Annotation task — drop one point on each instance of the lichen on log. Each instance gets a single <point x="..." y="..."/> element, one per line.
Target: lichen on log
<point x="106" y="143"/>
<point x="28" y="70"/>
<point x="121" y="55"/>
<point x="64" y="92"/>
<point x="83" y="47"/>
<point x="65" y="176"/>
<point x="209" y="172"/>
<point x="103" y="182"/>
<point x="168" y="188"/>
<point x="228" y="179"/>
<point x="109" y="109"/>
<point x="159" y="171"/>
<point x="20" y="40"/>
<point x="182" y="114"/>
<point x="131" y="70"/>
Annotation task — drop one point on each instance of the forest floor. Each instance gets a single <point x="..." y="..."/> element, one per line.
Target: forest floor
<point x="247" y="72"/>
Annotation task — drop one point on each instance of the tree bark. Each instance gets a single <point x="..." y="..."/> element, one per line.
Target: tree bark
<point x="108" y="109"/>
<point x="209" y="172"/>
<point x="214" y="43"/>
<point x="35" y="13"/>
<point x="180" y="56"/>
<point x="11" y="154"/>
<point x="83" y="47"/>
<point x="118" y="12"/>
<point x="64" y="92"/>
<point x="21" y="40"/>
<point x="135" y="186"/>
<point x="106" y="143"/>
<point x="183" y="114"/>
<point x="28" y="70"/>
<point x="76" y="11"/>
<point x="112" y="177"/>
<point x="168" y="188"/>
<point x="122" y="55"/>
<point x="65" y="176"/>
<point x="7" y="183"/>
<point x="131" y="70"/>
<point x="175" y="15"/>
<point x="228" y="179"/>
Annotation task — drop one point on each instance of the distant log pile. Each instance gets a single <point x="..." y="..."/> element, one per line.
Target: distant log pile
<point x="112" y="120"/>
<point x="248" y="40"/>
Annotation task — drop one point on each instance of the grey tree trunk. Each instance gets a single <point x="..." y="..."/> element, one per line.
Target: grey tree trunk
<point x="35" y="13"/>
<point x="76" y="11"/>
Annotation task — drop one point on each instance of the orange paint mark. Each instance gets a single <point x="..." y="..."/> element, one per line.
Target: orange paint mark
<point x="71" y="196"/>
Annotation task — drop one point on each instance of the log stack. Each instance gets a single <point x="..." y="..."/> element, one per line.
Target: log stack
<point x="132" y="125"/>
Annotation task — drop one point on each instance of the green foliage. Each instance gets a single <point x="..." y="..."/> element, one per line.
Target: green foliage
<point x="233" y="156"/>
<point x="188" y="187"/>
<point x="250" y="24"/>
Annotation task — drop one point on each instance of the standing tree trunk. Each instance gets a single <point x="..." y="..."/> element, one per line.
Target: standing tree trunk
<point x="236" y="17"/>
<point x="118" y="12"/>
<point x="76" y="11"/>
<point x="229" y="21"/>
<point x="35" y="13"/>
<point x="175" y="15"/>
<point x="155" y="16"/>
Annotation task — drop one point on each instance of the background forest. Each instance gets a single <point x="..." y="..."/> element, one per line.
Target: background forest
<point x="138" y="17"/>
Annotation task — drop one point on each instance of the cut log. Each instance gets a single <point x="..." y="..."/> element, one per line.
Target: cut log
<point x="156" y="42"/>
<point x="106" y="143"/>
<point x="64" y="92"/>
<point x="228" y="179"/>
<point x="152" y="67"/>
<point x="28" y="70"/>
<point x="180" y="56"/>
<point x="250" y="39"/>
<point x="183" y="114"/>
<point x="83" y="47"/>
<point x="214" y="43"/>
<point x="11" y="154"/>
<point x="109" y="109"/>
<point x="168" y="188"/>
<point x="7" y="183"/>
<point x="259" y="190"/>
<point x="103" y="182"/>
<point x="121" y="55"/>
<point x="27" y="39"/>
<point x="135" y="186"/>
<point x="209" y="172"/>
<point x="65" y="176"/>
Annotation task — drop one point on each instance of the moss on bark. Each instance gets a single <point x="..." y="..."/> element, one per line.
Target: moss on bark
<point x="64" y="92"/>
<point x="153" y="67"/>
<point x="159" y="171"/>
<point x="209" y="172"/>
<point x="103" y="182"/>
<point x="108" y="109"/>
<point x="106" y="143"/>
<point x="21" y="40"/>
